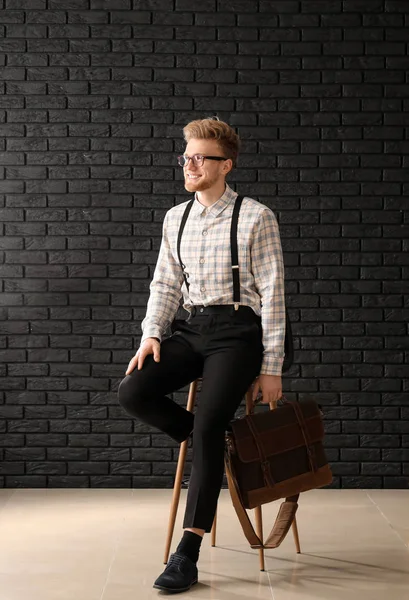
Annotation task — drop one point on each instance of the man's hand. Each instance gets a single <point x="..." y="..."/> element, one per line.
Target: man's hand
<point x="270" y="387"/>
<point x="148" y="346"/>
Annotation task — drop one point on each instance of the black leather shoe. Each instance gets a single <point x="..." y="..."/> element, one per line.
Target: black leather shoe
<point x="179" y="576"/>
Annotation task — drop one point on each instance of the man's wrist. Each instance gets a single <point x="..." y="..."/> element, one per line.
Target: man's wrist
<point x="150" y="337"/>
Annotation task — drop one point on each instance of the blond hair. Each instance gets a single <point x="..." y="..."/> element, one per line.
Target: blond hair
<point x="213" y="129"/>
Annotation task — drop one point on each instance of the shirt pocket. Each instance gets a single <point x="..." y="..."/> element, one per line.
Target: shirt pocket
<point x="222" y="265"/>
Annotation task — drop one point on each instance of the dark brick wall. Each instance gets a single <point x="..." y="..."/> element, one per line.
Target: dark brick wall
<point x="94" y="95"/>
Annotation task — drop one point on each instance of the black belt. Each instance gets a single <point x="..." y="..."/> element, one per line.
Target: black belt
<point x="216" y="309"/>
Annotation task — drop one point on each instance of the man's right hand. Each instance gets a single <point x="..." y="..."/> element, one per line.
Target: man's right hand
<point x="148" y="346"/>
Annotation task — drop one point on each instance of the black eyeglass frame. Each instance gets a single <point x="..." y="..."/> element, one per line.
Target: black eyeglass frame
<point x="194" y="159"/>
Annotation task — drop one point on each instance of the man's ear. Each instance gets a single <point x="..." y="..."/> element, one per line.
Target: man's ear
<point x="228" y="166"/>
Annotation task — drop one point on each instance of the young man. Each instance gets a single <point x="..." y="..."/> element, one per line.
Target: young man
<point x="227" y="345"/>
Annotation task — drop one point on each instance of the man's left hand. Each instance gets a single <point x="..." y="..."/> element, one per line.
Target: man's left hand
<point x="270" y="388"/>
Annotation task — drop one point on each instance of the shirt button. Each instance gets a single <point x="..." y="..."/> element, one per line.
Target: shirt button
<point x="203" y="289"/>
<point x="202" y="261"/>
<point x="201" y="310"/>
<point x="204" y="232"/>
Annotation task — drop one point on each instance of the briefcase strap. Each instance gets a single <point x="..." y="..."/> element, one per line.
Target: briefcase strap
<point x="282" y="523"/>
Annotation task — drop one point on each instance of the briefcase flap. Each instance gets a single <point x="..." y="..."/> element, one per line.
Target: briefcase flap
<point x="278" y="431"/>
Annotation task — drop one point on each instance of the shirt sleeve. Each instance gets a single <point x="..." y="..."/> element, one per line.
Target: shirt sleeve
<point x="268" y="270"/>
<point x="165" y="291"/>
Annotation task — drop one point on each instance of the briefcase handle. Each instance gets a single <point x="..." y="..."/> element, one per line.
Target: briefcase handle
<point x="273" y="405"/>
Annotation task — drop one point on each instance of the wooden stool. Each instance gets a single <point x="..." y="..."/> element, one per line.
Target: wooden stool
<point x="178" y="484"/>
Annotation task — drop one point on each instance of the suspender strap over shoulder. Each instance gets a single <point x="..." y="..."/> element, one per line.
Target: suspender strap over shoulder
<point x="234" y="252"/>
<point x="180" y="233"/>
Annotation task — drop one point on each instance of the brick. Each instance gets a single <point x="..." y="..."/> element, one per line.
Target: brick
<point x="70" y="87"/>
<point x="18" y="4"/>
<point x="381" y="469"/>
<point x="26" y="172"/>
<point x="49" y="16"/>
<point x="35" y="60"/>
<point x="12" y="45"/>
<point x="90" y="45"/>
<point x="68" y="4"/>
<point x="69" y="31"/>
<point x="109" y="4"/>
<point x="11" y="102"/>
<point x="11" y="73"/>
<point x="124" y="16"/>
<point x="111" y="116"/>
<point x="361" y="482"/>
<point x="88" y="102"/>
<point x="88" y="16"/>
<point x="26" y="31"/>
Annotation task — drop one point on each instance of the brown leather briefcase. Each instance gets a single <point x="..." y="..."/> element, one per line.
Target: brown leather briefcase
<point x="275" y="454"/>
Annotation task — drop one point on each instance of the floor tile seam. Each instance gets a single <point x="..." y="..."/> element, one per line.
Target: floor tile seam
<point x="113" y="557"/>
<point x="273" y="596"/>
<point x="388" y="521"/>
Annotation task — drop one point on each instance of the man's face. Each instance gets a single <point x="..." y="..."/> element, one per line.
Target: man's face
<point x="212" y="172"/>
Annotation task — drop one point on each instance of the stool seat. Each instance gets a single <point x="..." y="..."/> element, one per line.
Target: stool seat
<point x="178" y="484"/>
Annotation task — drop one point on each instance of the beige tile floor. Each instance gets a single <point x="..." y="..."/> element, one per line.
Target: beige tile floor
<point x="107" y="544"/>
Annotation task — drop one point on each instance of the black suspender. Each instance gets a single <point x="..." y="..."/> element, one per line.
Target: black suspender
<point x="234" y="252"/>
<point x="233" y="244"/>
<point x="181" y="228"/>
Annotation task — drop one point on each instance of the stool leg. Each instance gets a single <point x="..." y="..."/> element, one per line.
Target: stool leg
<point x="214" y="530"/>
<point x="178" y="477"/>
<point x="257" y="510"/>
<point x="259" y="531"/>
<point x="295" y="534"/>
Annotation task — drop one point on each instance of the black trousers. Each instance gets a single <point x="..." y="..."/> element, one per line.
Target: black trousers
<point x="224" y="347"/>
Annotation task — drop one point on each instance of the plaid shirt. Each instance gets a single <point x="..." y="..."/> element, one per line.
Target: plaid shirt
<point x="205" y="250"/>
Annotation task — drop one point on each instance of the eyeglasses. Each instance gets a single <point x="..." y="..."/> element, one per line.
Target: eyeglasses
<point x="197" y="159"/>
